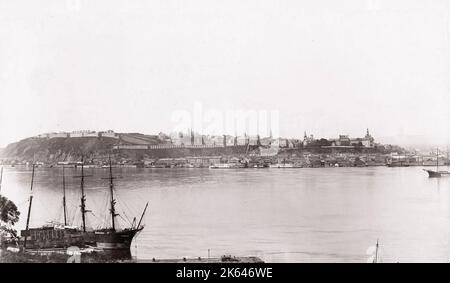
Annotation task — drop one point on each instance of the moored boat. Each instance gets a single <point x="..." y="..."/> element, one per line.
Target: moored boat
<point x="57" y="237"/>
<point x="227" y="166"/>
<point x="437" y="173"/>
<point x="282" y="165"/>
<point x="111" y="238"/>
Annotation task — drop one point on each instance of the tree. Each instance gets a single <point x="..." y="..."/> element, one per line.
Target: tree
<point x="9" y="213"/>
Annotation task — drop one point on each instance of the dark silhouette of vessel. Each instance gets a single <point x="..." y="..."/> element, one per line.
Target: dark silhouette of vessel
<point x="59" y="237"/>
<point x="437" y="173"/>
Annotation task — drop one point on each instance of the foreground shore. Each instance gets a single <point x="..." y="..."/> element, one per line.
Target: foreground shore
<point x="12" y="257"/>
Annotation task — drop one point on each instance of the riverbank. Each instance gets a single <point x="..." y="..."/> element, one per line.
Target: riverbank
<point x="58" y="257"/>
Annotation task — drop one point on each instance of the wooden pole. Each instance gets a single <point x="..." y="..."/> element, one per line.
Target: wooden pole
<point x="113" y="201"/>
<point x="143" y="213"/>
<point x="64" y="198"/>
<point x="29" y="209"/>
<point x="83" y="197"/>
<point x="437" y="160"/>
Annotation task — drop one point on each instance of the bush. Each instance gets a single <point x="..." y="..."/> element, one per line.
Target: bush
<point x="9" y="213"/>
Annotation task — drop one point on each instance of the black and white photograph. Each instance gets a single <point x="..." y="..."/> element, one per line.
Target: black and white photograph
<point x="233" y="133"/>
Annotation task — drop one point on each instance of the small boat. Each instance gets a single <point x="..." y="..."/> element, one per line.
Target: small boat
<point x="282" y="165"/>
<point x="260" y="166"/>
<point x="398" y="164"/>
<point x="220" y="166"/>
<point x="227" y="166"/>
<point x="437" y="173"/>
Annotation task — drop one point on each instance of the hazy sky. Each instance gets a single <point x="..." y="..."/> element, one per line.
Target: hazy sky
<point x="327" y="66"/>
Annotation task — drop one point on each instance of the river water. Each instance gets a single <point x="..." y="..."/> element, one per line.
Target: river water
<point x="279" y="215"/>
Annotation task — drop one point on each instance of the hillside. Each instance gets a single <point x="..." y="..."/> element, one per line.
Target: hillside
<point x="58" y="149"/>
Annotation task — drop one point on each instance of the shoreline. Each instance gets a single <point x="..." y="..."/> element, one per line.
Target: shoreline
<point x="221" y="168"/>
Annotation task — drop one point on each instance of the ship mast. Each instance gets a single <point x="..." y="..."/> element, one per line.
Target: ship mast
<point x="113" y="201"/>
<point x="29" y="209"/>
<point x="83" y="196"/>
<point x="448" y="160"/>
<point x="64" y="198"/>
<point x="437" y="160"/>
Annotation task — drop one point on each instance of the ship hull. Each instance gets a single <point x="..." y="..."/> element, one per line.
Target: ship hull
<point x="101" y="240"/>
<point x="53" y="238"/>
<point x="109" y="240"/>
<point x="436" y="174"/>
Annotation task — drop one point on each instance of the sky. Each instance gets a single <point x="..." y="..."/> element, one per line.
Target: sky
<point x="327" y="67"/>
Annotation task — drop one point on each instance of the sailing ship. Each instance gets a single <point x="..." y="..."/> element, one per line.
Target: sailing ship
<point x="112" y="238"/>
<point x="437" y="173"/>
<point x="58" y="237"/>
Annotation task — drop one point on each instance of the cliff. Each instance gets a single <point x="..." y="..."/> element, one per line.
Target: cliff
<point x="58" y="149"/>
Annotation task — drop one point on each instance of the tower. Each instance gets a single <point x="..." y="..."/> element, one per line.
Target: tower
<point x="305" y="139"/>
<point x="369" y="139"/>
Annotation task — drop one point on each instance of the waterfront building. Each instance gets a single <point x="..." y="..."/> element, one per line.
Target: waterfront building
<point x="345" y="141"/>
<point x="181" y="138"/>
<point x="203" y="161"/>
<point x="83" y="133"/>
<point x="307" y="140"/>
<point x="242" y="140"/>
<point x="53" y="135"/>
<point x="108" y="134"/>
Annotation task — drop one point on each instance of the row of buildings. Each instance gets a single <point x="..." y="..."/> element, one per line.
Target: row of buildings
<point x="344" y="141"/>
<point x="79" y="134"/>
<point x="192" y="139"/>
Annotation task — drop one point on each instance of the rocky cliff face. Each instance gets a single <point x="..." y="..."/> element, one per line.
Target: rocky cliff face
<point x="58" y="149"/>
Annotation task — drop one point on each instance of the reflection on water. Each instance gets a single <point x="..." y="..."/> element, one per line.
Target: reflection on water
<point x="280" y="215"/>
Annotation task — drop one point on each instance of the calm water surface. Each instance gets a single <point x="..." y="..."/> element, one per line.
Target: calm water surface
<point x="280" y="215"/>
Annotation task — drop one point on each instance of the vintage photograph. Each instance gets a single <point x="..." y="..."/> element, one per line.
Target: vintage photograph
<point x="238" y="131"/>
